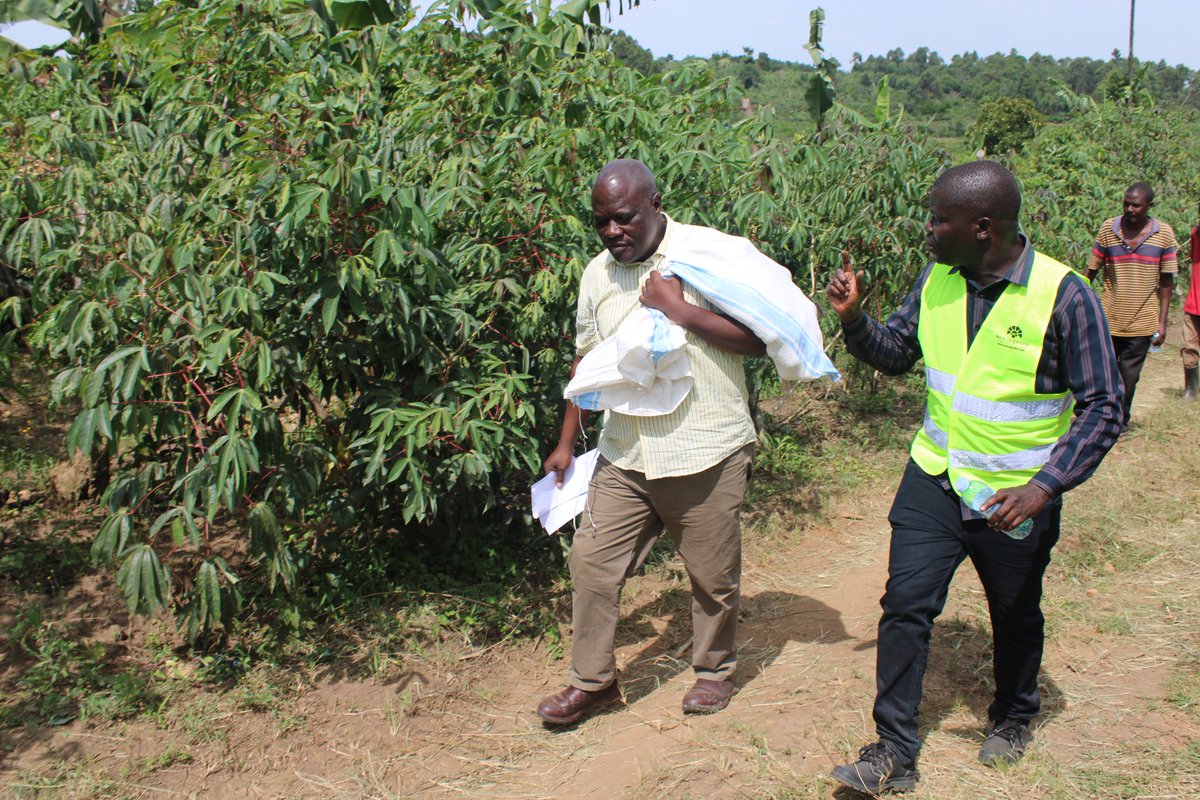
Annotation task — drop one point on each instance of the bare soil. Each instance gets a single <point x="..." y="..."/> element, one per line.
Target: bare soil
<point x="458" y="722"/>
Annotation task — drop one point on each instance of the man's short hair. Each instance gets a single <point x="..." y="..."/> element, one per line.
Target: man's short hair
<point x="982" y="189"/>
<point x="1142" y="188"/>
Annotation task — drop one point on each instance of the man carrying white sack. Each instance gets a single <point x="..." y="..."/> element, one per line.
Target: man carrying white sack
<point x="685" y="470"/>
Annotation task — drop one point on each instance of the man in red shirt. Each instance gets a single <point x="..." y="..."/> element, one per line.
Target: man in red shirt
<point x="1191" y="326"/>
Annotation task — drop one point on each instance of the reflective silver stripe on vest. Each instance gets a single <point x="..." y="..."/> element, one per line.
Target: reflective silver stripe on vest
<point x="939" y="381"/>
<point x="1032" y="458"/>
<point x="936" y="434"/>
<point x="1015" y="411"/>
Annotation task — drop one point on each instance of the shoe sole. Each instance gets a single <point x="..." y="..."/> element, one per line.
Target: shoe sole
<point x="996" y="760"/>
<point x="1007" y="753"/>
<point x="712" y="708"/>
<point x="560" y="721"/>
<point x="850" y="777"/>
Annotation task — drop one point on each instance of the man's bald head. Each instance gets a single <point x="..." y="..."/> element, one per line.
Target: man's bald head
<point x="628" y="173"/>
<point x="627" y="210"/>
<point x="973" y="212"/>
<point x="982" y="189"/>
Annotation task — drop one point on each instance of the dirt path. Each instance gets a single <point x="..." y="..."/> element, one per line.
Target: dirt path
<point x="1121" y="618"/>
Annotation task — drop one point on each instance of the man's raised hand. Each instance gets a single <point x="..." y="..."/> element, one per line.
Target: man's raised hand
<point x="843" y="291"/>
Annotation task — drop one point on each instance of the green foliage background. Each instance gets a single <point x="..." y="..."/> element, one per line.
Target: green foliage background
<point x="1075" y="173"/>
<point x="1005" y="124"/>
<point x="309" y="289"/>
<point x="312" y="290"/>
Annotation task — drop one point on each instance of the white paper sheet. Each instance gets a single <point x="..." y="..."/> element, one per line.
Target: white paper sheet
<point x="555" y="506"/>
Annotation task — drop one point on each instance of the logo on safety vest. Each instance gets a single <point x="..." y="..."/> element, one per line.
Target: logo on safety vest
<point x="1013" y="338"/>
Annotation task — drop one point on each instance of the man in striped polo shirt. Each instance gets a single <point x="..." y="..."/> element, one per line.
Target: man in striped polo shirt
<point x="685" y="471"/>
<point x="1135" y="256"/>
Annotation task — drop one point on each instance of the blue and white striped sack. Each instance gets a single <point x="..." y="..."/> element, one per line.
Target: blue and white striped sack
<point x="641" y="370"/>
<point x="738" y="280"/>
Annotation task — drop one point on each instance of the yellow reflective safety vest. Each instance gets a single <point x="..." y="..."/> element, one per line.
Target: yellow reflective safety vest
<point x="984" y="418"/>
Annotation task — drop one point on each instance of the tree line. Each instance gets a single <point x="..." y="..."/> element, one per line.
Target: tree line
<point x="941" y="96"/>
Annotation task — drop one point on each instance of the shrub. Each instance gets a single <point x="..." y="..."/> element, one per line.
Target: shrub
<point x="311" y="290"/>
<point x="1005" y="124"/>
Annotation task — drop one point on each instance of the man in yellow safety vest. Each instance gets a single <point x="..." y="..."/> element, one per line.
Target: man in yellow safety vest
<point x="1023" y="401"/>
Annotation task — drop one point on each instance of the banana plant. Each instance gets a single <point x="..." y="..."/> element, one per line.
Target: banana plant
<point x="358" y="14"/>
<point x="820" y="92"/>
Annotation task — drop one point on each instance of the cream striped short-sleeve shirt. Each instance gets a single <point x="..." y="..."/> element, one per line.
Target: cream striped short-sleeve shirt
<point x="712" y="422"/>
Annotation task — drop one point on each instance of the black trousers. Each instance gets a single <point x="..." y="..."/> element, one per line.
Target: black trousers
<point x="929" y="540"/>
<point x="1131" y="355"/>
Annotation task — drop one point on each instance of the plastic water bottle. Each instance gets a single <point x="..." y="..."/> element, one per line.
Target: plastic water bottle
<point x="975" y="493"/>
<point x="1154" y="348"/>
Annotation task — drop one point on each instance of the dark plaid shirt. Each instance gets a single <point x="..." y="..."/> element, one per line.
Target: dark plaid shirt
<point x="1077" y="355"/>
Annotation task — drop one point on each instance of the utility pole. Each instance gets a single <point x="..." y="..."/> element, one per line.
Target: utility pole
<point x="1129" y="68"/>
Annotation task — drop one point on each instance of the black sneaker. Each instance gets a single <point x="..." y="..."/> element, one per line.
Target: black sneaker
<point x="877" y="770"/>
<point x="1005" y="744"/>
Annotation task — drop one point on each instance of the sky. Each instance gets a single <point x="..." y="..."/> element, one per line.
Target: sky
<point x="779" y="28"/>
<point x="1163" y="29"/>
<point x="33" y="34"/>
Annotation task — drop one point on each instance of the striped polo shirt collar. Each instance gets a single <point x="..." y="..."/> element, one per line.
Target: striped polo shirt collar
<point x="1116" y="228"/>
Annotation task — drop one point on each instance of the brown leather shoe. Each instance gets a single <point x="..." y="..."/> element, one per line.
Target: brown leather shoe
<point x="707" y="697"/>
<point x="571" y="704"/>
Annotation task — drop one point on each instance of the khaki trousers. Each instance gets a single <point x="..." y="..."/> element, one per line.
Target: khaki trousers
<point x="1191" y="341"/>
<point x="626" y="513"/>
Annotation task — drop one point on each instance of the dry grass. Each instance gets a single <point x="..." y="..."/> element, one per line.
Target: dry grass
<point x="1121" y="677"/>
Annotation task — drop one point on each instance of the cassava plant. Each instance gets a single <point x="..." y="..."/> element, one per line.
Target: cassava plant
<point x="309" y="287"/>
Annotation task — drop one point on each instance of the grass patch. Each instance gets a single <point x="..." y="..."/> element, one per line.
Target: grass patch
<point x="46" y="561"/>
<point x="169" y="757"/>
<point x="66" y="783"/>
<point x="23" y="467"/>
<point x="1183" y="690"/>
<point x="64" y="677"/>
